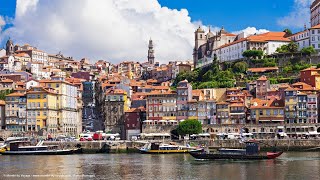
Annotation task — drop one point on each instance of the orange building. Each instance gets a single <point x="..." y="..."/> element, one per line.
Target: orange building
<point x="311" y="76"/>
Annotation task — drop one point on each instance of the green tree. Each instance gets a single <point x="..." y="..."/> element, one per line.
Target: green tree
<point x="293" y="47"/>
<point x="308" y="50"/>
<point x="208" y="76"/>
<point x="189" y="126"/>
<point x="252" y="53"/>
<point x="240" y="67"/>
<point x="288" y="32"/>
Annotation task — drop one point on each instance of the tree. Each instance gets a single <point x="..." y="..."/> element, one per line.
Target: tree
<point x="308" y="50"/>
<point x="292" y="47"/>
<point x="288" y="32"/>
<point x="240" y="67"/>
<point x="189" y="126"/>
<point x="288" y="48"/>
<point x="252" y="53"/>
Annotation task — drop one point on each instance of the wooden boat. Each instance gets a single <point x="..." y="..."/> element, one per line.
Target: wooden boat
<point x="160" y="148"/>
<point x="250" y="153"/>
<point x="24" y="148"/>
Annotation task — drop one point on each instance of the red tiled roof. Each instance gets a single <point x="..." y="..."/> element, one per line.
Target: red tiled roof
<point x="15" y="94"/>
<point x="264" y="69"/>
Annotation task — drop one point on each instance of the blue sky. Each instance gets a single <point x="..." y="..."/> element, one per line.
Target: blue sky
<point x="51" y="26"/>
<point x="233" y="15"/>
<point x="236" y="14"/>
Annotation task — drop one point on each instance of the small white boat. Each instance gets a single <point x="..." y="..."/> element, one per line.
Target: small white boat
<point x="24" y="148"/>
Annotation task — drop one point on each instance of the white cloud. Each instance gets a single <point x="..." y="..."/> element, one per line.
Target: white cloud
<point x="2" y="23"/>
<point x="251" y="31"/>
<point x="299" y="16"/>
<point x="113" y="30"/>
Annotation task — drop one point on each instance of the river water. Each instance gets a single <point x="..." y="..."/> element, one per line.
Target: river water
<point x="291" y="166"/>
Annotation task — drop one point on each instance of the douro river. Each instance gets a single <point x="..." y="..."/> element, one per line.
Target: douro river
<point x="292" y="165"/>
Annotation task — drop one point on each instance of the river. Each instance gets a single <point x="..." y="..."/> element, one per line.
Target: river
<point x="291" y="166"/>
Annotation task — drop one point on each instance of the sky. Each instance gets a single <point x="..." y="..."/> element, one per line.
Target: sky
<point x="117" y="30"/>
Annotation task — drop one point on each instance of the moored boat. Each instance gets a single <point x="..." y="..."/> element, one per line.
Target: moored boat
<point x="250" y="153"/>
<point x="161" y="148"/>
<point x="24" y="148"/>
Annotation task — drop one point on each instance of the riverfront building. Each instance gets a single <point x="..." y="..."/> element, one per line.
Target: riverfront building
<point x="42" y="110"/>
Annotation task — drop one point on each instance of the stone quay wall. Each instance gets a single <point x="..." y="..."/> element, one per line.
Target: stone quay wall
<point x="132" y="146"/>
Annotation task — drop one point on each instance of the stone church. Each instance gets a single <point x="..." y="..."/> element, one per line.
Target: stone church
<point x="205" y="43"/>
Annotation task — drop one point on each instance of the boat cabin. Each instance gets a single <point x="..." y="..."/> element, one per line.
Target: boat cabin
<point x="252" y="148"/>
<point x="26" y="146"/>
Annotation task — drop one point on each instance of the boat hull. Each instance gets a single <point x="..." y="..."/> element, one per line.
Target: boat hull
<point x="163" y="151"/>
<point x="166" y="151"/>
<point x="56" y="152"/>
<point x="216" y="156"/>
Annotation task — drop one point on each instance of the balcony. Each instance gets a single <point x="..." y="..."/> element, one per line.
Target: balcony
<point x="237" y="112"/>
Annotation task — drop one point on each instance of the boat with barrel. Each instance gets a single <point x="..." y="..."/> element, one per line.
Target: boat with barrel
<point x="251" y="152"/>
<point x="162" y="148"/>
<point x="25" y="148"/>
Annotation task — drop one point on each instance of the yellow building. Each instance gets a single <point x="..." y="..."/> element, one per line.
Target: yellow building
<point x="291" y="102"/>
<point x="69" y="120"/>
<point x="42" y="109"/>
<point x="223" y="112"/>
<point x="267" y="111"/>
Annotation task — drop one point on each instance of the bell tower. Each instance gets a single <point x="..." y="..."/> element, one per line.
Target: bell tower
<point x="9" y="47"/>
<point x="199" y="39"/>
<point x="150" y="52"/>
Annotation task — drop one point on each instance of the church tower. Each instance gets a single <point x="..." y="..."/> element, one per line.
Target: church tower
<point x="199" y="39"/>
<point x="9" y="47"/>
<point x="150" y="52"/>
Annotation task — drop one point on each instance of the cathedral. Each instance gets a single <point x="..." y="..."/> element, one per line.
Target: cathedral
<point x="205" y="43"/>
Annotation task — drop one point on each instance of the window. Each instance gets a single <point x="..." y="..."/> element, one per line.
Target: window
<point x="38" y="113"/>
<point x="38" y="96"/>
<point x="312" y="32"/>
<point x="313" y="45"/>
<point x="275" y="112"/>
<point x="57" y="85"/>
<point x="44" y="113"/>
<point x="268" y="112"/>
<point x="44" y="96"/>
<point x="281" y="111"/>
<point x="44" y="105"/>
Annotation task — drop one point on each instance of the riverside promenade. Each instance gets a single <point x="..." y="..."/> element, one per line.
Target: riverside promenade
<point x="132" y="146"/>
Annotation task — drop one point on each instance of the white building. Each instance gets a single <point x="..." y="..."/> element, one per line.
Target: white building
<point x="32" y="83"/>
<point x="267" y="42"/>
<point x="308" y="37"/>
<point x="315" y="13"/>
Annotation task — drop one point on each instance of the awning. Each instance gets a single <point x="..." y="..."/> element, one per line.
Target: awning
<point x="154" y="134"/>
<point x="162" y="121"/>
<point x="313" y="133"/>
<point x="173" y="121"/>
<point x="247" y="134"/>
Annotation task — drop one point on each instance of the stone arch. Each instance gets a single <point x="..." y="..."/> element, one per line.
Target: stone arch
<point x="318" y="130"/>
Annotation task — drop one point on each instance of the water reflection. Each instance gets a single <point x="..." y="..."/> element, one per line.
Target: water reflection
<point x="145" y="166"/>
